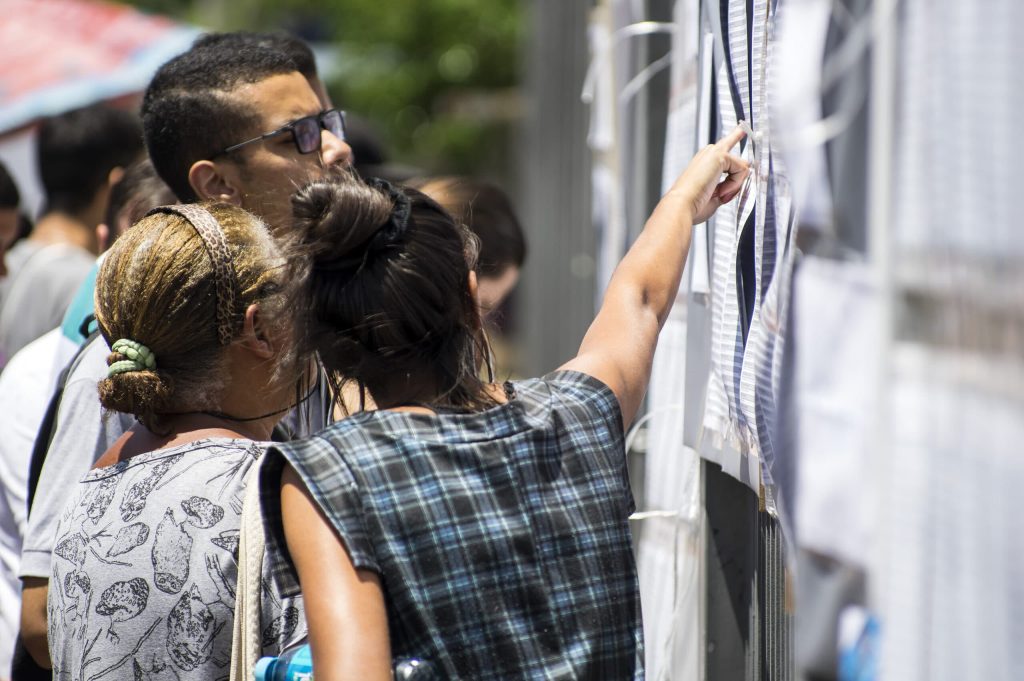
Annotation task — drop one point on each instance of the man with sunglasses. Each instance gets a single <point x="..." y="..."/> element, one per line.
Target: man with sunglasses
<point x="234" y="119"/>
<point x="240" y="123"/>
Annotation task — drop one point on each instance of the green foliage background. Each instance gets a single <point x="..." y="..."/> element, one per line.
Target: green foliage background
<point x="436" y="78"/>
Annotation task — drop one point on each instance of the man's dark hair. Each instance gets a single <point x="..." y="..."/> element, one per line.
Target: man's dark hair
<point x="294" y="48"/>
<point x="10" y="197"/>
<point x="78" y="149"/>
<point x="188" y="113"/>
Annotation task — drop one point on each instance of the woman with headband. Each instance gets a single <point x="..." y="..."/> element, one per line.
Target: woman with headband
<point x="193" y="304"/>
<point x="479" y="526"/>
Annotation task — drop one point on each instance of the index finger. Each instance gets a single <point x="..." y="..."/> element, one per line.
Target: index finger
<point x="732" y="139"/>
<point x="733" y="164"/>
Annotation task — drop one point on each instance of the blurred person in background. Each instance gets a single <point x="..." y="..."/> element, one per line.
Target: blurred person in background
<point x="10" y="218"/>
<point x="12" y="472"/>
<point x="370" y="154"/>
<point x="81" y="154"/>
<point x="488" y="212"/>
<point x="139" y="190"/>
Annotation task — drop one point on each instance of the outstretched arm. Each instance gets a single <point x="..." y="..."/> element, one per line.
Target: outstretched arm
<point x="348" y="625"/>
<point x="619" y="347"/>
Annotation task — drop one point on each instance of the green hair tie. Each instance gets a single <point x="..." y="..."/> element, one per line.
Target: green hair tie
<point x="137" y="357"/>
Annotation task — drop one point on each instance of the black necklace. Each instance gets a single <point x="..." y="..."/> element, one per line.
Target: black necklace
<point x="246" y="419"/>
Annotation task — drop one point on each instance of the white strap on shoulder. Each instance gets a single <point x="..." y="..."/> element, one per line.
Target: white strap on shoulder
<point x="246" y="637"/>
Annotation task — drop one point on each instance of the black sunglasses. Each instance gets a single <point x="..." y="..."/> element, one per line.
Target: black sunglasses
<point x="305" y="131"/>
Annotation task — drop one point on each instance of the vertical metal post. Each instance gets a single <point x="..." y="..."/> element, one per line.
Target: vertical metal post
<point x="881" y="141"/>
<point x="557" y="288"/>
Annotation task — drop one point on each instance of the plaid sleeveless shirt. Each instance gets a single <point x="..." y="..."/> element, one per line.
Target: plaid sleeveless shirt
<point x="501" y="537"/>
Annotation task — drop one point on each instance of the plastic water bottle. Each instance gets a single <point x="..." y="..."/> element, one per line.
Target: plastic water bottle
<point x="296" y="664"/>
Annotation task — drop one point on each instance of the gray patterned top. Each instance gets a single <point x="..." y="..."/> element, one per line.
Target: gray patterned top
<point x="144" y="568"/>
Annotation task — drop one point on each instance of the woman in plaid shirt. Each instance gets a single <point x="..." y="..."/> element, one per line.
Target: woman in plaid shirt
<point x="480" y="526"/>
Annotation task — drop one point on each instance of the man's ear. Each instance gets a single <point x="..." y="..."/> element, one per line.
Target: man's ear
<point x="255" y="336"/>
<point x="211" y="182"/>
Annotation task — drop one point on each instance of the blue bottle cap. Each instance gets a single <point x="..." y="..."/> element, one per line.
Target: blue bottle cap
<point x="263" y="667"/>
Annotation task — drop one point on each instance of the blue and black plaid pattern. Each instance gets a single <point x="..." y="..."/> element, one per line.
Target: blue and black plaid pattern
<point x="501" y="537"/>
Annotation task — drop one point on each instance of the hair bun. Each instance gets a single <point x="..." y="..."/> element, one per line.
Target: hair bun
<point x="143" y="393"/>
<point x="341" y="219"/>
<point x="397" y="223"/>
<point x="311" y="205"/>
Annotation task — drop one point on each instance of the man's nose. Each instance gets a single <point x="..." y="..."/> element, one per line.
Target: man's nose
<point x="334" y="150"/>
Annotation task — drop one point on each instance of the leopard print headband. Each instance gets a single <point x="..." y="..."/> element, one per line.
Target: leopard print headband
<point x="223" y="267"/>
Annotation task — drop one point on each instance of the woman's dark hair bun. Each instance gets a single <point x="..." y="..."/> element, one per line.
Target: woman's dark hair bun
<point x="385" y="292"/>
<point x="395" y="226"/>
<point x="338" y="219"/>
